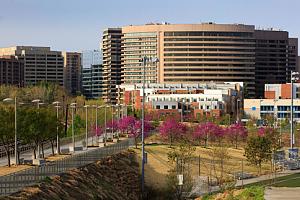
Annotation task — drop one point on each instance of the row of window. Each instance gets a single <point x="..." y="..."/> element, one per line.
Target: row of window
<point x="204" y="33"/>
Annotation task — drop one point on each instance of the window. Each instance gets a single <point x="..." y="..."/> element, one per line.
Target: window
<point x="158" y="107"/>
<point x="173" y="107"/>
<point x="166" y="107"/>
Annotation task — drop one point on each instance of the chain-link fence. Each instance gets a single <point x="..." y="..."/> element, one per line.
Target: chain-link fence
<point x="16" y="181"/>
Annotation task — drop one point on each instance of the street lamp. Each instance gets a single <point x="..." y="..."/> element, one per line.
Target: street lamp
<point x="16" y="143"/>
<point x="144" y="60"/>
<point x="56" y="103"/>
<point x="86" y="125"/>
<point x="237" y="110"/>
<point x="73" y="106"/>
<point x="294" y="77"/>
<point x="105" y="116"/>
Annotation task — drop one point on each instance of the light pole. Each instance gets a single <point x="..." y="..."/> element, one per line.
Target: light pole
<point x="144" y="60"/>
<point x="73" y="106"/>
<point x="105" y="121"/>
<point x="16" y="142"/>
<point x="56" y="103"/>
<point x="86" y="126"/>
<point x="237" y="110"/>
<point x="294" y="77"/>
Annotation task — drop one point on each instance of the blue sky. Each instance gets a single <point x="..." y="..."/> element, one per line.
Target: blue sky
<point x="77" y="25"/>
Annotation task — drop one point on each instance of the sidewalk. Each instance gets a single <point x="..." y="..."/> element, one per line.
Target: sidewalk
<point x="266" y="177"/>
<point x="4" y="169"/>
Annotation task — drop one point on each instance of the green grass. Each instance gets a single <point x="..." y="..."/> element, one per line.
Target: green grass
<point x="249" y="193"/>
<point x="292" y="180"/>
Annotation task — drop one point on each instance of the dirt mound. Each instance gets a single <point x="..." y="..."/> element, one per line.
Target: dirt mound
<point x="114" y="177"/>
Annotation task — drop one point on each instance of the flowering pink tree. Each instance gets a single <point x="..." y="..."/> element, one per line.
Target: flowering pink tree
<point x="236" y="132"/>
<point x="172" y="129"/>
<point x="126" y="124"/>
<point x="208" y="130"/>
<point x="272" y="135"/>
<point x="136" y="130"/>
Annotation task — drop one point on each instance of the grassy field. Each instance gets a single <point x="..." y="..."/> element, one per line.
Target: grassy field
<point x="249" y="193"/>
<point x="285" y="181"/>
<point x="158" y="166"/>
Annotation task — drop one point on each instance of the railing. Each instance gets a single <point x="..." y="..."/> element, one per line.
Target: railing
<point x="16" y="181"/>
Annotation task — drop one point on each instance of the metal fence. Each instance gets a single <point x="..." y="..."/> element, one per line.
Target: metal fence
<point x="16" y="181"/>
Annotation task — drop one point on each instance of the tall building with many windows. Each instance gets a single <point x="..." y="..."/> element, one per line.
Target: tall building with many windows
<point x="193" y="53"/>
<point x="72" y="72"/>
<point x="11" y="71"/>
<point x="111" y="48"/>
<point x="41" y="64"/>
<point x="92" y="74"/>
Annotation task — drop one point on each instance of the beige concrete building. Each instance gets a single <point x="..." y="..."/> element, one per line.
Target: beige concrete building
<point x="40" y="63"/>
<point x="192" y="53"/>
<point x="111" y="49"/>
<point x="72" y="72"/>
<point x="278" y="108"/>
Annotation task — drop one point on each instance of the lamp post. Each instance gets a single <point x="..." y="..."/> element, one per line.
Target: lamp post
<point x="86" y="126"/>
<point x="237" y="110"/>
<point x="16" y="142"/>
<point x="105" y="121"/>
<point x="56" y="103"/>
<point x="294" y="77"/>
<point x="144" y="60"/>
<point x="73" y="106"/>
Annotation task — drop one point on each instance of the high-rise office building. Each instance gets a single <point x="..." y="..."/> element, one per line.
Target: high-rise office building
<point x="92" y="74"/>
<point x="72" y="72"/>
<point x="193" y="53"/>
<point x="41" y="64"/>
<point x="111" y="47"/>
<point x="11" y="71"/>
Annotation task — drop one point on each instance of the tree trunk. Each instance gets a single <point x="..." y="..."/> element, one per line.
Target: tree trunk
<point x="34" y="152"/>
<point x="52" y="147"/>
<point x="43" y="154"/>
<point x="135" y="141"/>
<point x="8" y="156"/>
<point x="236" y="141"/>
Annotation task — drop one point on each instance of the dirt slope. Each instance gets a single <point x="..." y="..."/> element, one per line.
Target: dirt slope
<point x="115" y="177"/>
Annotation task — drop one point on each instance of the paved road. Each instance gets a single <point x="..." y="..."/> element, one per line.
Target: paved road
<point x="280" y="193"/>
<point x="48" y="151"/>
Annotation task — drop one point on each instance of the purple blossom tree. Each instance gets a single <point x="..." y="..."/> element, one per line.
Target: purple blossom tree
<point x="207" y="130"/>
<point x="172" y="130"/>
<point x="236" y="132"/>
<point x="126" y="124"/>
<point x="136" y="130"/>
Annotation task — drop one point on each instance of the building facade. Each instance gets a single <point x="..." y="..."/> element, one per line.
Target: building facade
<point x="192" y="53"/>
<point x="41" y="64"/>
<point x="111" y="48"/>
<point x="92" y="74"/>
<point x="72" y="72"/>
<point x="197" y="99"/>
<point x="11" y="71"/>
<point x="276" y="108"/>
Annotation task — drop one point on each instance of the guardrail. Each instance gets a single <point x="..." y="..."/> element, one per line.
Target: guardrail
<point x="16" y="181"/>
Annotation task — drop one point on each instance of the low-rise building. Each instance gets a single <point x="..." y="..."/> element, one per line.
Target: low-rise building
<point x="211" y="99"/>
<point x="276" y="108"/>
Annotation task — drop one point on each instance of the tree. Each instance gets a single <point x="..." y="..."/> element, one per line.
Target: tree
<point x="258" y="150"/>
<point x="236" y="132"/>
<point x="7" y="130"/>
<point x="126" y="124"/>
<point x="208" y="129"/>
<point x="182" y="156"/>
<point x="136" y="130"/>
<point x="273" y="135"/>
<point x="172" y="130"/>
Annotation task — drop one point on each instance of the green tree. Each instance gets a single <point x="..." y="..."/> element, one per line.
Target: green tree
<point x="258" y="150"/>
<point x="7" y="130"/>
